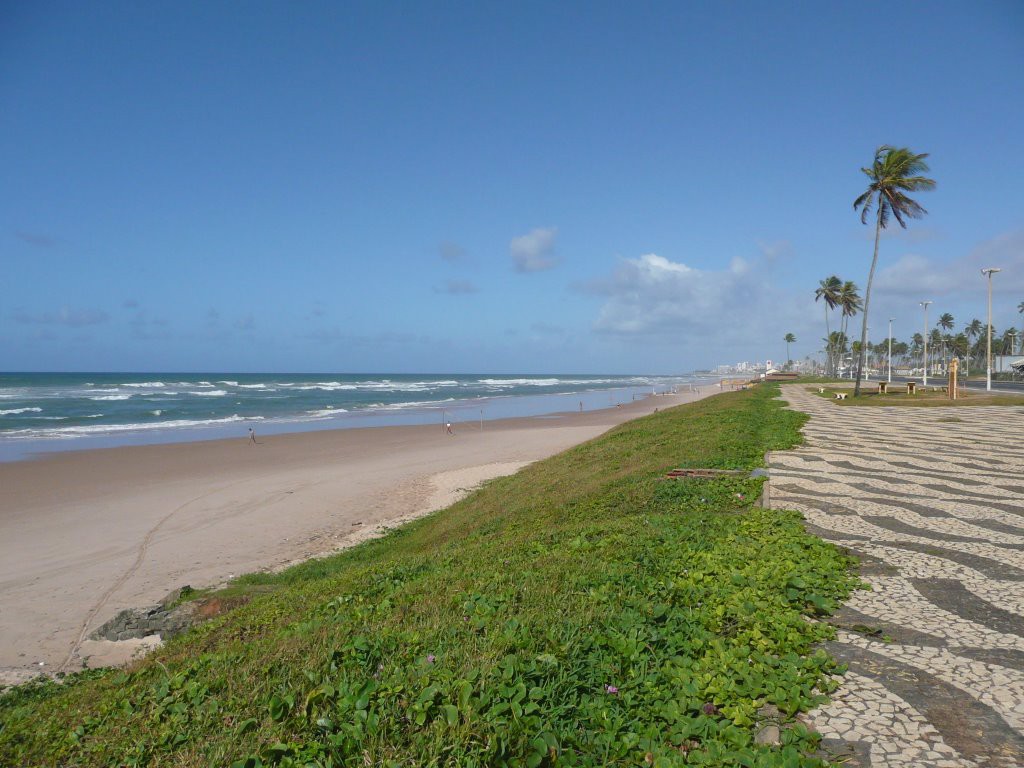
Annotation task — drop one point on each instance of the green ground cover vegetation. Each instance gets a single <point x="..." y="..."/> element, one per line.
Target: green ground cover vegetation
<point x="583" y="612"/>
<point x="897" y="396"/>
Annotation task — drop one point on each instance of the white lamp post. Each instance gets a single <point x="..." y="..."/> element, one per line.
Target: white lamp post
<point x="866" y="352"/>
<point x="925" y="305"/>
<point x="989" y="271"/>
<point x="890" y="348"/>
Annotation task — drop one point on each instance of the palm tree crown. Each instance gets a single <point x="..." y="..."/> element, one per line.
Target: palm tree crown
<point x="849" y="299"/>
<point x="894" y="173"/>
<point x="828" y="289"/>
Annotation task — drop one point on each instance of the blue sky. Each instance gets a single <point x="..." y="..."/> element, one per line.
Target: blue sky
<point x="492" y="187"/>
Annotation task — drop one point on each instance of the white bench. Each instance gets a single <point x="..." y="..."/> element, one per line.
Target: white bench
<point x="840" y="395"/>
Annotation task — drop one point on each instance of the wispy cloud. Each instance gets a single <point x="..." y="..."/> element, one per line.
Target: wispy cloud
<point x="533" y="252"/>
<point x="337" y="336"/>
<point x="456" y="287"/>
<point x="147" y="328"/>
<point x="66" y="316"/>
<point x="451" y="252"/>
<point x="36" y="238"/>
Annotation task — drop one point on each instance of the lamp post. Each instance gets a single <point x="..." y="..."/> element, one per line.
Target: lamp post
<point x="989" y="271"/>
<point x="890" y="348"/>
<point x="925" y="305"/>
<point x="866" y="353"/>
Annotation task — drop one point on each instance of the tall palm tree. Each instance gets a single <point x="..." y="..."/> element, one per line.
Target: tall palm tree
<point x="789" y="339"/>
<point x="971" y="331"/>
<point x="893" y="173"/>
<point x="849" y="304"/>
<point x="828" y="289"/>
<point x="945" y="322"/>
<point x="917" y="345"/>
<point x="934" y="341"/>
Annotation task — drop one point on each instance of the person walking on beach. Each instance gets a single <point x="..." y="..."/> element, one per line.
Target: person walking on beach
<point x="448" y="426"/>
<point x="252" y="435"/>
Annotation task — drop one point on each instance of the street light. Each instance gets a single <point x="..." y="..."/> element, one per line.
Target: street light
<point x="890" y="348"/>
<point x="925" y="305"/>
<point x="865" y="353"/>
<point x="989" y="271"/>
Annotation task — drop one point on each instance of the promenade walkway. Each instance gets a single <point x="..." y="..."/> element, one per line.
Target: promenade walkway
<point x="932" y="501"/>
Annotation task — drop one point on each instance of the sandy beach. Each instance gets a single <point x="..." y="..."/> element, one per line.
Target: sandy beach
<point x="86" y="534"/>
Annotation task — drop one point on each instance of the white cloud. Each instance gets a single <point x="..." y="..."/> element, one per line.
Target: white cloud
<point x="918" y="276"/>
<point x="652" y="296"/>
<point x="532" y="252"/>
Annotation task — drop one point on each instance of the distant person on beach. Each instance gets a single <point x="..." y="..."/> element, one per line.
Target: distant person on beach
<point x="252" y="435"/>
<point x="448" y="426"/>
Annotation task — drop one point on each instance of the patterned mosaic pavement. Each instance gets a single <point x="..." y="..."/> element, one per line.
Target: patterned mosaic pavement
<point x="932" y="501"/>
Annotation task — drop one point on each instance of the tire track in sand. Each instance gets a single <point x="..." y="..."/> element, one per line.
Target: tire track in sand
<point x="140" y="555"/>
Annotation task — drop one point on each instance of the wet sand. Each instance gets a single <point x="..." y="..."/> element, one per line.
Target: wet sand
<point x="85" y="534"/>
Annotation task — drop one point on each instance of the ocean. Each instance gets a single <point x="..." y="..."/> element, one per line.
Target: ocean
<point x="42" y="412"/>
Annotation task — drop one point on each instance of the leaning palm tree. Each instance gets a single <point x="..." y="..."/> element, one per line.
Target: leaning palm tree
<point x="893" y="173"/>
<point x="789" y="338"/>
<point x="828" y="289"/>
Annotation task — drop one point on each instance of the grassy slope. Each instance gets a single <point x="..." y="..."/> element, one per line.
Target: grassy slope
<point x="489" y="633"/>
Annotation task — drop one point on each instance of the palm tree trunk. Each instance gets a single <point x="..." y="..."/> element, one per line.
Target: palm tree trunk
<point x="828" y="344"/>
<point x="867" y="300"/>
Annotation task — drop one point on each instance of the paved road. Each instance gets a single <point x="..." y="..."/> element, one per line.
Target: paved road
<point x="932" y="501"/>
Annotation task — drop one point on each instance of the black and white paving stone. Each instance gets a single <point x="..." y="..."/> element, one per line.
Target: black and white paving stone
<point x="932" y="499"/>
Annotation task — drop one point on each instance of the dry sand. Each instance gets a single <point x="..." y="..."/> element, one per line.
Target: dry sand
<point x="85" y="534"/>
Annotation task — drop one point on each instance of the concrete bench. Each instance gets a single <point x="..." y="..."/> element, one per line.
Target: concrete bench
<point x="883" y="387"/>
<point x="911" y="388"/>
<point x="840" y="395"/>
